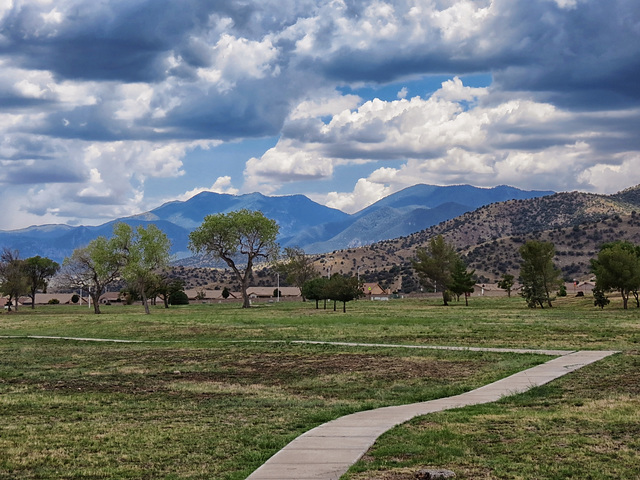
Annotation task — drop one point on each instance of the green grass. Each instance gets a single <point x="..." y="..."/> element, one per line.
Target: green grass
<point x="210" y="396"/>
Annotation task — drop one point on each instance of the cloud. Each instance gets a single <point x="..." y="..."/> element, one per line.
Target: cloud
<point x="464" y="135"/>
<point x="364" y="193"/>
<point x="221" y="185"/>
<point x="127" y="88"/>
<point x="286" y="162"/>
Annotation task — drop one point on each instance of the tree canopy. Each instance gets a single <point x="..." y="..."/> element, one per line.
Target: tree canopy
<point x="144" y="252"/>
<point x="298" y="267"/>
<point x="93" y="268"/>
<point x="316" y="289"/>
<point x="13" y="281"/>
<point x="539" y="275"/>
<point x="506" y="283"/>
<point x="462" y="281"/>
<point x="435" y="265"/>
<point x="38" y="271"/>
<point x="617" y="267"/>
<point x="239" y="239"/>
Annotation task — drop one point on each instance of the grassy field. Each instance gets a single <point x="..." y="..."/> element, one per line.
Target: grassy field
<point x="214" y="390"/>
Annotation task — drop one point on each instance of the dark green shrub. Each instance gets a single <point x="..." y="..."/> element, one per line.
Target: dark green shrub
<point x="179" y="298"/>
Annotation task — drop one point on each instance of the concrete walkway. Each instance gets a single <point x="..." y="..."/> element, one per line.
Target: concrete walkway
<point x="327" y="451"/>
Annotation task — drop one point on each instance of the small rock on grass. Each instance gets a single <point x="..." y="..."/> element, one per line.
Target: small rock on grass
<point x="432" y="474"/>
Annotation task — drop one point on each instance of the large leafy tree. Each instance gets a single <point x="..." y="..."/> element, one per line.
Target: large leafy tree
<point x="93" y="268"/>
<point x="238" y="238"/>
<point x="39" y="271"/>
<point x="144" y="253"/>
<point x="617" y="267"/>
<point x="298" y="267"/>
<point x="13" y="280"/>
<point x="539" y="275"/>
<point x="435" y="265"/>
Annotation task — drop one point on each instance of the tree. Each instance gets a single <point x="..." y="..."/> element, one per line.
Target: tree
<point x="435" y="264"/>
<point x="462" y="281"/>
<point x="39" y="271"/>
<point x="506" y="283"/>
<point x="599" y="298"/>
<point x="13" y="280"/>
<point x="165" y="285"/>
<point x="316" y="289"/>
<point x="243" y="233"/>
<point x="298" y="267"/>
<point x="343" y="289"/>
<point x="225" y="293"/>
<point x="539" y="275"/>
<point x="93" y="268"/>
<point x="178" y="297"/>
<point x="617" y="267"/>
<point x="144" y="251"/>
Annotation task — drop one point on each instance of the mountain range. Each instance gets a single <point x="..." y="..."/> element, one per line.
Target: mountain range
<point x="303" y="223"/>
<point x="488" y="238"/>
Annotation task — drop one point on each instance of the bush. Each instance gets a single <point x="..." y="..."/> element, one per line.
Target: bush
<point x="54" y="301"/>
<point x="178" y="298"/>
<point x="75" y="298"/>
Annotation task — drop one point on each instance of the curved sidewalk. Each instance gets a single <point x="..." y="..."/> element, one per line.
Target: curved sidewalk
<point x="327" y="451"/>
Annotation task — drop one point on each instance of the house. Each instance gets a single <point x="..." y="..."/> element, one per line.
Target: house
<point x="107" y="298"/>
<point x="584" y="287"/>
<point x="373" y="289"/>
<point x="45" y="298"/>
<point x="267" y="292"/>
<point x="208" y="296"/>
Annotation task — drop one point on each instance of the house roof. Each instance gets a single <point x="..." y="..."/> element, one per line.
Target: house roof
<point x="193" y="293"/>
<point x="44" y="298"/>
<point x="268" y="291"/>
<point x="373" y="289"/>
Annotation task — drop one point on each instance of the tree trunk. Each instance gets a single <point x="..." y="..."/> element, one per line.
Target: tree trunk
<point x="246" y="302"/>
<point x="444" y="297"/>
<point x="344" y="307"/>
<point x="145" y="302"/>
<point x="96" y="303"/>
<point x="625" y="298"/>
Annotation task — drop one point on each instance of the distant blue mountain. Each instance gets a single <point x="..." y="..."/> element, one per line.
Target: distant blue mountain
<point x="304" y="223"/>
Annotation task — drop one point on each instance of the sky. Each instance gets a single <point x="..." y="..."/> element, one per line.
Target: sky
<point x="110" y="108"/>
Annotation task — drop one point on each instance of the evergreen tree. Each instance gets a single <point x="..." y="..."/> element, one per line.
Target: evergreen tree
<point x="539" y="275"/>
<point x="462" y="281"/>
<point x="599" y="298"/>
<point x="506" y="283"/>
